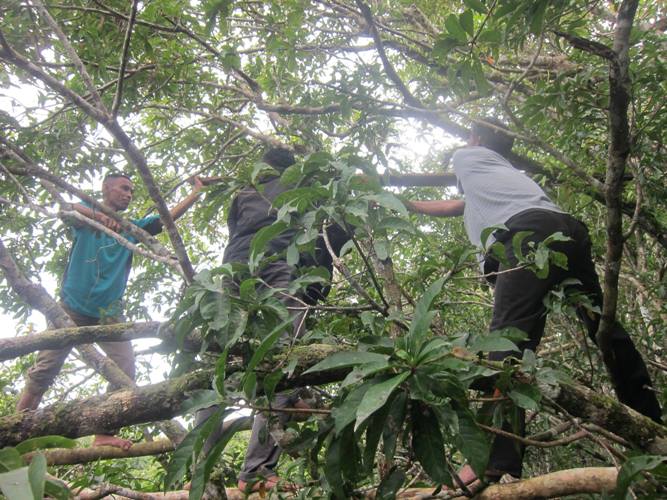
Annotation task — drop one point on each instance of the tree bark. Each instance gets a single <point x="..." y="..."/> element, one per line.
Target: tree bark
<point x="612" y="415"/>
<point x="67" y="456"/>
<point x="103" y="414"/>
<point x="67" y="337"/>
<point x="107" y="413"/>
<point x="553" y="485"/>
<point x="619" y="148"/>
<point x="39" y="299"/>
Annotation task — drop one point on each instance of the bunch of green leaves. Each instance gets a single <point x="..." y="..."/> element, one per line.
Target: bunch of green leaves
<point x="413" y="389"/>
<point x="19" y="481"/>
<point x="535" y="256"/>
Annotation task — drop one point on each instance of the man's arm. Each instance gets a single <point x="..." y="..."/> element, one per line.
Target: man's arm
<point x="98" y="216"/>
<point x="189" y="200"/>
<point x="436" y="208"/>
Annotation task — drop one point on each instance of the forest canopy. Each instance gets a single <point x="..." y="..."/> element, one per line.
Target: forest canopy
<point x="373" y="98"/>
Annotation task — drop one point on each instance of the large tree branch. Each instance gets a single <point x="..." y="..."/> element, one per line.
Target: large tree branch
<point x="619" y="149"/>
<point x="164" y="400"/>
<point x="61" y="338"/>
<point x="39" y="299"/>
<point x="589" y="480"/>
<point x="69" y="456"/>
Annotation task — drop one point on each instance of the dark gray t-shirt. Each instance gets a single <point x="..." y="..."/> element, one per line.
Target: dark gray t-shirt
<point x="251" y="211"/>
<point x="494" y="190"/>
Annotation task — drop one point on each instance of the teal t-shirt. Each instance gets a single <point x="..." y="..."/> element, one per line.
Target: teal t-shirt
<point x="98" y="268"/>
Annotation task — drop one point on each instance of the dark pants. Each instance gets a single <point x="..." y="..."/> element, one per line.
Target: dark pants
<point x="263" y="453"/>
<point x="519" y="303"/>
<point x="48" y="364"/>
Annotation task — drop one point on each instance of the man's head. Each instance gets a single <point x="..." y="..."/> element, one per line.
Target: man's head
<point x="489" y="137"/>
<point x="279" y="158"/>
<point x="117" y="191"/>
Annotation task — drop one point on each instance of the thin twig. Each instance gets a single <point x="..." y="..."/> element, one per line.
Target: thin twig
<point x="71" y="53"/>
<point x="389" y="69"/>
<point x="123" y="60"/>
<point x="346" y="272"/>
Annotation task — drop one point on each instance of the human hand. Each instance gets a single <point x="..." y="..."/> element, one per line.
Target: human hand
<point x="108" y="222"/>
<point x="197" y="182"/>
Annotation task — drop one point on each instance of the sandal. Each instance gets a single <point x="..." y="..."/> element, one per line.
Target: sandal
<point x="261" y="486"/>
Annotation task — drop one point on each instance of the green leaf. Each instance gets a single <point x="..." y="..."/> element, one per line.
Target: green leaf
<point x="491" y="36"/>
<point x="428" y="444"/>
<point x="347" y="359"/>
<point x="455" y="29"/>
<point x="526" y="396"/>
<point x="517" y="243"/>
<point x="10" y="459"/>
<point x="266" y="344"/>
<point x="183" y="455"/>
<point x="631" y="468"/>
<point x="476" y="5"/>
<point x="346" y="412"/>
<point x="483" y="86"/>
<point x="537" y="19"/>
<point x="263" y="237"/>
<point x="443" y="47"/>
<point x="361" y="372"/>
<point x="333" y="468"/>
<point x="488" y="231"/>
<point x="381" y="247"/>
<point x="15" y="484"/>
<point x="199" y="399"/>
<point x="467" y="23"/>
<point x="215" y="9"/>
<point x="397" y="224"/>
<point x="421" y="321"/>
<point x="376" y="396"/>
<point x="270" y="382"/>
<point x="238" y="320"/>
<point x="203" y="469"/>
<point x="394" y="424"/>
<point x="37" y="475"/>
<point x="292" y="255"/>
<point x="389" y="201"/>
<point x="390" y="484"/>
<point x="473" y="443"/>
<point x="56" y="489"/>
<point x="492" y="342"/>
<point x="42" y="442"/>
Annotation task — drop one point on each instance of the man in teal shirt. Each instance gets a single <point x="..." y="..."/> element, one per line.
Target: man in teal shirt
<point x="93" y="288"/>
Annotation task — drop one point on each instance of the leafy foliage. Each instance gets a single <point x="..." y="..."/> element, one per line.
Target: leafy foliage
<point x="209" y="82"/>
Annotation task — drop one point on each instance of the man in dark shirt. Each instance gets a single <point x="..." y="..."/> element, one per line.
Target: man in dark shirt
<point x="252" y="210"/>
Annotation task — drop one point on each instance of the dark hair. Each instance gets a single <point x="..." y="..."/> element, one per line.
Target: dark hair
<point x="116" y="175"/>
<point x="279" y="158"/>
<point x="492" y="138"/>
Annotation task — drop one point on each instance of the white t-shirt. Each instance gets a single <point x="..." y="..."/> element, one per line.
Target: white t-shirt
<point x="494" y="190"/>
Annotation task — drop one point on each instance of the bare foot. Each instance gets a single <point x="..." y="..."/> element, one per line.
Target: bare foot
<point x="116" y="442"/>
<point x="28" y="401"/>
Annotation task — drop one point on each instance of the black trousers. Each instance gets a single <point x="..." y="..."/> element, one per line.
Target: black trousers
<point x="518" y="302"/>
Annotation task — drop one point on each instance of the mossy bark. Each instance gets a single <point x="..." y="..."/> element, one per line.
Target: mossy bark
<point x="614" y="416"/>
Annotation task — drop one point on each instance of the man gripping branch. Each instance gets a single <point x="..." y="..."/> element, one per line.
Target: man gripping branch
<point x="93" y="286"/>
<point x="498" y="194"/>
